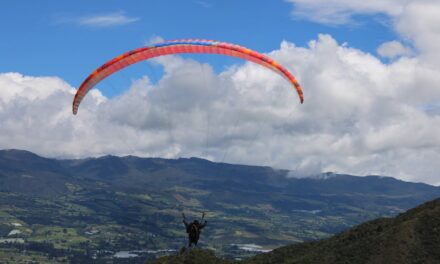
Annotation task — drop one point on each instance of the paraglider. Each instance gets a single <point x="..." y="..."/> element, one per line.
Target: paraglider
<point x="194" y="229"/>
<point x="178" y="47"/>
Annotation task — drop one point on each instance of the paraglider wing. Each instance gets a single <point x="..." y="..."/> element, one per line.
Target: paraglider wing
<point x="176" y="47"/>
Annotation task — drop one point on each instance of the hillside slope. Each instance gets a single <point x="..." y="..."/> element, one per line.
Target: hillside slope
<point x="412" y="237"/>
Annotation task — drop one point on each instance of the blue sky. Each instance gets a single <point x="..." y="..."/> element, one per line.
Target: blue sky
<point x="46" y="38"/>
<point x="369" y="72"/>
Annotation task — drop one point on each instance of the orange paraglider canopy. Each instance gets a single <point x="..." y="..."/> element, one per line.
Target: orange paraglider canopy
<point x="176" y="47"/>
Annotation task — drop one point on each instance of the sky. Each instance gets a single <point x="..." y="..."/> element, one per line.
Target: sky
<point x="370" y="73"/>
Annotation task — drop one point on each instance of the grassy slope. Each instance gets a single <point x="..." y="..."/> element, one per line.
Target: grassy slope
<point x="412" y="237"/>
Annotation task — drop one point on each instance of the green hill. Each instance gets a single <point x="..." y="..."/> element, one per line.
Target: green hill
<point x="412" y="237"/>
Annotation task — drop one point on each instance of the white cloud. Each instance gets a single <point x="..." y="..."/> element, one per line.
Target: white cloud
<point x="106" y="20"/>
<point x="154" y="40"/>
<point x="416" y="21"/>
<point x="35" y="114"/>
<point x="420" y="23"/>
<point x="342" y="11"/>
<point x="307" y="168"/>
<point x="393" y="49"/>
<point x="204" y="4"/>
<point x="15" y="85"/>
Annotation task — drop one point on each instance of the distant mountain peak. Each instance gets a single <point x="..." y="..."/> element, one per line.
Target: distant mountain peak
<point x="17" y="152"/>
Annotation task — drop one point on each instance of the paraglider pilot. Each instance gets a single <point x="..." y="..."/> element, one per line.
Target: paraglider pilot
<point x="194" y="229"/>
